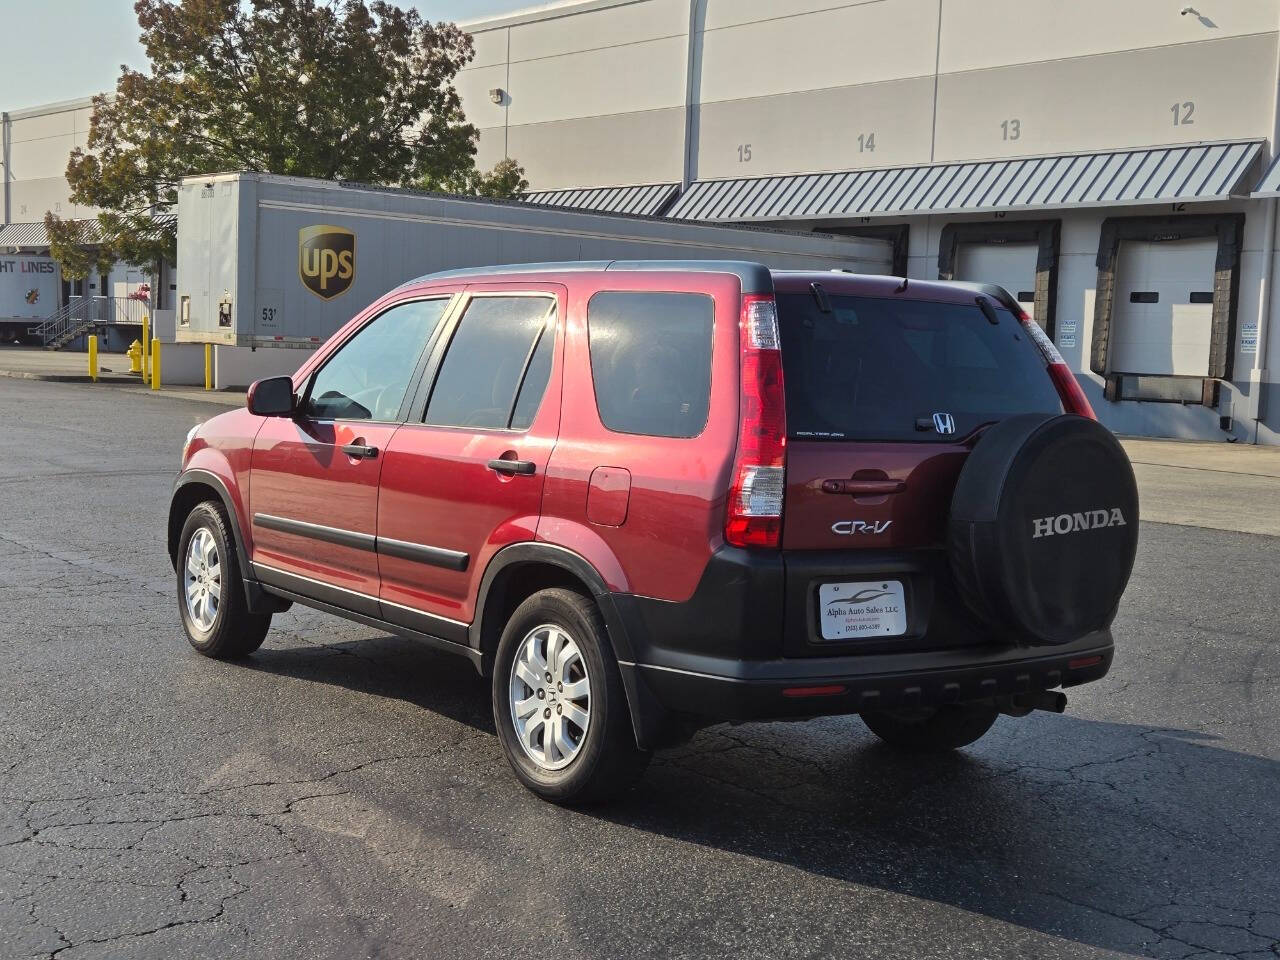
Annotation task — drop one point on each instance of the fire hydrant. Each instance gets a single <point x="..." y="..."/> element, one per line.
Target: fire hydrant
<point x="135" y="357"/>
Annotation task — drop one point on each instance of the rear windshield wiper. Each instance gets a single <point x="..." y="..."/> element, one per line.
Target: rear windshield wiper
<point x="988" y="310"/>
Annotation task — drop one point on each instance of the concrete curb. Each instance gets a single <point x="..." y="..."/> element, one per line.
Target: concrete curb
<point x="193" y="394"/>
<point x="71" y="377"/>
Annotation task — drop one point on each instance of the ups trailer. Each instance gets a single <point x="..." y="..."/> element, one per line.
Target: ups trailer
<point x="272" y="261"/>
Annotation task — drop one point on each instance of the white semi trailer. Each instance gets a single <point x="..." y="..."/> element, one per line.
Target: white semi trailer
<point x="28" y="293"/>
<point x="271" y="261"/>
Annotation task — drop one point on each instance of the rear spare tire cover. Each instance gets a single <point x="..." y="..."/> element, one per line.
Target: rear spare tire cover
<point x="1044" y="528"/>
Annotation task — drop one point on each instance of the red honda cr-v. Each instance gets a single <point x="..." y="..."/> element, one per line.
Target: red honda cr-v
<point x="646" y="497"/>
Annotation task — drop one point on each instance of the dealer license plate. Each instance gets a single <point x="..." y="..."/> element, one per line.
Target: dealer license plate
<point x="850" y="611"/>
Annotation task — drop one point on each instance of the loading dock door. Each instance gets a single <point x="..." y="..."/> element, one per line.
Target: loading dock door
<point x="1163" y="313"/>
<point x="1011" y="265"/>
<point x="877" y="259"/>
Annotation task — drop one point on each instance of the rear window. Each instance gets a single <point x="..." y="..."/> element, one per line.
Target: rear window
<point x="879" y="369"/>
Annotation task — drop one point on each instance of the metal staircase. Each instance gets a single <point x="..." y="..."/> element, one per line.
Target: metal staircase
<point x="82" y="314"/>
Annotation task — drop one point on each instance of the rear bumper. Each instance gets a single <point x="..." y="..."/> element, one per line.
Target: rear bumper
<point x="746" y="639"/>
<point x="738" y="690"/>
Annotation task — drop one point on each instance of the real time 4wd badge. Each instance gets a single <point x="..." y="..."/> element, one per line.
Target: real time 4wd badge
<point x="326" y="260"/>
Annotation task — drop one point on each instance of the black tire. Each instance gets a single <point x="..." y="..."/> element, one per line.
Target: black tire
<point x="932" y="731"/>
<point x="234" y="632"/>
<point x="607" y="760"/>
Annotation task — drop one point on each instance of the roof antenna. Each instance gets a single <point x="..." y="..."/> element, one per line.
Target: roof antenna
<point x="902" y="286"/>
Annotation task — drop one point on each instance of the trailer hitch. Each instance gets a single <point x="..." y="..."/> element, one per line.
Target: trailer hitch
<point x="1021" y="704"/>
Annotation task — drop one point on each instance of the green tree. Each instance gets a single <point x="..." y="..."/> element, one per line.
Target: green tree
<point x="506" y="179"/>
<point x="335" y="89"/>
<point x="74" y="244"/>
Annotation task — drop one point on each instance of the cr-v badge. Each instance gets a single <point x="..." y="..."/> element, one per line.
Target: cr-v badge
<point x="847" y="528"/>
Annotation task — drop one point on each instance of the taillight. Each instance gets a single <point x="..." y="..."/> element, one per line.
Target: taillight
<point x="754" y="517"/>
<point x="1073" y="398"/>
<point x="1064" y="381"/>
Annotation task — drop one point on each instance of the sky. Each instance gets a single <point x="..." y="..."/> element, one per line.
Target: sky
<point x="65" y="49"/>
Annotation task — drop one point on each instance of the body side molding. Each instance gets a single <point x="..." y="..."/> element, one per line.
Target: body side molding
<point x="424" y="553"/>
<point x="416" y="552"/>
<point x="316" y="531"/>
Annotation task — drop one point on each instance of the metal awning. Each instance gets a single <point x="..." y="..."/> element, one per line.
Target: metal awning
<point x="23" y="235"/>
<point x="1269" y="185"/>
<point x="34" y="235"/>
<point x="1210" y="171"/>
<point x="646" y="200"/>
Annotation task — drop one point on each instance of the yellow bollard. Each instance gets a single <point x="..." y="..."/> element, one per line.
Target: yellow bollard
<point x="155" y="364"/>
<point x="93" y="358"/>
<point x="208" y="366"/>
<point x="146" y="342"/>
<point x="135" y="357"/>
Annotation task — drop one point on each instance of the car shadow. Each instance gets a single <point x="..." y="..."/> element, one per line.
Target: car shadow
<point x="1145" y="840"/>
<point x="387" y="666"/>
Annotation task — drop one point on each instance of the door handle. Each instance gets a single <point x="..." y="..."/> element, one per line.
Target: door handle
<point x="359" y="451"/>
<point x="864" y="488"/>
<point x="512" y="468"/>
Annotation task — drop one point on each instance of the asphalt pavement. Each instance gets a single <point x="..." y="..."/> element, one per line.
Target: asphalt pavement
<point x="341" y="794"/>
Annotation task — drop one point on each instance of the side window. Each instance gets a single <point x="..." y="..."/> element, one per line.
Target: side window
<point x="369" y="375"/>
<point x="651" y="361"/>
<point x="497" y="366"/>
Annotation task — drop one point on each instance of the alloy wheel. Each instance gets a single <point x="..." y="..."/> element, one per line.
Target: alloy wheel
<point x="550" y="697"/>
<point x="202" y="579"/>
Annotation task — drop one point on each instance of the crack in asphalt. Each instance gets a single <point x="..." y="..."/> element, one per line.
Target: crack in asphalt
<point x="1164" y="932"/>
<point x="285" y="808"/>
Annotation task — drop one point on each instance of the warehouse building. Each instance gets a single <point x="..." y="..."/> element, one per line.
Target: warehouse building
<point x="1110" y="164"/>
<point x="34" y="147"/>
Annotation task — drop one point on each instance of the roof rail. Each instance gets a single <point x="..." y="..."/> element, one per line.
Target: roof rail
<point x="755" y="277"/>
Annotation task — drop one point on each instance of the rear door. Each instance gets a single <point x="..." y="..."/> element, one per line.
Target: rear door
<point x="465" y="477"/>
<point x="884" y="397"/>
<point x="314" y="478"/>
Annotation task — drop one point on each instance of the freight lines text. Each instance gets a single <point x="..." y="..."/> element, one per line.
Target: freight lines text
<point x="27" y="266"/>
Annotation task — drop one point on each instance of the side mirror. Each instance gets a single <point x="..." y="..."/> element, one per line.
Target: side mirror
<point x="272" y="397"/>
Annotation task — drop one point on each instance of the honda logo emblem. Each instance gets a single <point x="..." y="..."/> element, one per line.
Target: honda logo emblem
<point x="944" y="423"/>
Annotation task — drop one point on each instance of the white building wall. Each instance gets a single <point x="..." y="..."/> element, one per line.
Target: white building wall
<point x="792" y="86"/>
<point x="37" y="144"/>
<point x="591" y="100"/>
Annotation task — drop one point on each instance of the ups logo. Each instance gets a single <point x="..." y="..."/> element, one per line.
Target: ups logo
<point x="326" y="260"/>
